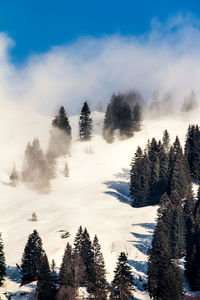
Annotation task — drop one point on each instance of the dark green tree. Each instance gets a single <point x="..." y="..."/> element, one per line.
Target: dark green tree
<point x="85" y="123"/>
<point x="31" y="258"/>
<point x="66" y="276"/>
<point x="100" y="286"/>
<point x="87" y="256"/>
<point x="2" y="262"/>
<point x="45" y="289"/>
<point x="192" y="151"/>
<point x="60" y="135"/>
<point x="126" y="122"/>
<point x="136" y="117"/>
<point x="123" y="282"/>
<point x="139" y="179"/>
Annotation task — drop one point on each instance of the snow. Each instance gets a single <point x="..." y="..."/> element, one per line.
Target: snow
<point x="95" y="195"/>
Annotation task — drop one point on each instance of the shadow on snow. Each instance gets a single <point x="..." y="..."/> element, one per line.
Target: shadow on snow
<point x="120" y="190"/>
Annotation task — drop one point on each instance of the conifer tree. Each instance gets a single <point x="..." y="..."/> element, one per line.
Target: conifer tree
<point x="192" y="151"/>
<point x="85" y="123"/>
<point x="164" y="277"/>
<point x="87" y="256"/>
<point x="189" y="219"/>
<point x="166" y="141"/>
<point x="108" y="127"/>
<point x="31" y="258"/>
<point x="54" y="277"/>
<point x="66" y="276"/>
<point x="125" y="121"/>
<point x="139" y="179"/>
<point x="136" y="117"/>
<point x="78" y="240"/>
<point x="123" y="282"/>
<point x="14" y="178"/>
<point x="2" y="262"/>
<point x="35" y="166"/>
<point x="45" y="289"/>
<point x="100" y="289"/>
<point x="60" y="135"/>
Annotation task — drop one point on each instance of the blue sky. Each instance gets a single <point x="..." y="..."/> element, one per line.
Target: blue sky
<point x="37" y="25"/>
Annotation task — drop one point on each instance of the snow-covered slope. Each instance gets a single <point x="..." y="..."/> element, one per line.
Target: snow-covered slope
<point x="96" y="194"/>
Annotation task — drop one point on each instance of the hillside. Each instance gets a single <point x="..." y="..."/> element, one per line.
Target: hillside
<point x="96" y="194"/>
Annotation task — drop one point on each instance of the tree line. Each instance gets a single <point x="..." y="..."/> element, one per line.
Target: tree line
<point x="82" y="266"/>
<point x="177" y="232"/>
<point x="162" y="168"/>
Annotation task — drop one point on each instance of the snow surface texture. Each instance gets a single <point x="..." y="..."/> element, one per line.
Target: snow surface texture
<point x="95" y="195"/>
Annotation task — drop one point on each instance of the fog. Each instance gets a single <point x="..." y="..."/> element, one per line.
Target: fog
<point x="166" y="60"/>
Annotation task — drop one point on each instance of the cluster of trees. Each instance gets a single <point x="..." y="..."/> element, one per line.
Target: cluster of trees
<point x="120" y="115"/>
<point x="39" y="167"/>
<point x="159" y="169"/>
<point x="82" y="266"/>
<point x="177" y="235"/>
<point x="177" y="232"/>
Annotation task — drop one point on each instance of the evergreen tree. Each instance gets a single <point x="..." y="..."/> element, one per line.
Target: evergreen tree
<point x="54" y="277"/>
<point x="188" y="214"/>
<point x="136" y="117"/>
<point x="125" y="121"/>
<point x="35" y="167"/>
<point x="45" y="289"/>
<point x="14" y="178"/>
<point x="66" y="276"/>
<point x="78" y="240"/>
<point x="31" y="258"/>
<point x="166" y="141"/>
<point x="2" y="262"/>
<point x="192" y="151"/>
<point x="60" y="135"/>
<point x="108" y="129"/>
<point x="164" y="277"/>
<point x="100" y="272"/>
<point x="139" y="179"/>
<point x="123" y="282"/>
<point x="85" y="123"/>
<point x="87" y="256"/>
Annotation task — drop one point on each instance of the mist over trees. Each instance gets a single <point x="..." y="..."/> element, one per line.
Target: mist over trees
<point x="123" y="113"/>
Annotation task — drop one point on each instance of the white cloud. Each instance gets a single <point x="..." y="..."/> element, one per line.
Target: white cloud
<point x="166" y="59"/>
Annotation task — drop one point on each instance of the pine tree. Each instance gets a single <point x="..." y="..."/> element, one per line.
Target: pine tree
<point x="35" y="166"/>
<point x="66" y="276"/>
<point x="54" y="277"/>
<point x="100" y="272"/>
<point x="78" y="240"/>
<point x="85" y="123"/>
<point x="31" y="258"/>
<point x="188" y="214"/>
<point x="108" y="129"/>
<point x="136" y="117"/>
<point x="164" y="277"/>
<point x="45" y="289"/>
<point x="87" y="256"/>
<point x="14" y="178"/>
<point x="125" y="121"/>
<point x="139" y="179"/>
<point x="192" y="151"/>
<point x="2" y="262"/>
<point x="166" y="141"/>
<point x="60" y="135"/>
<point x="123" y="282"/>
